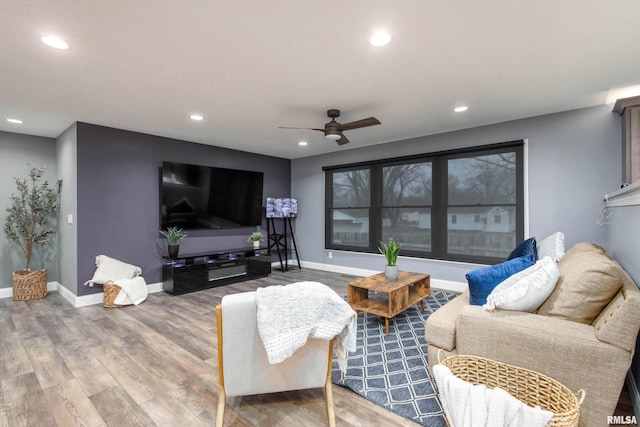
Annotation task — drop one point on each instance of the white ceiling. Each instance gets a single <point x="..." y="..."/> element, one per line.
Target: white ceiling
<point x="251" y="66"/>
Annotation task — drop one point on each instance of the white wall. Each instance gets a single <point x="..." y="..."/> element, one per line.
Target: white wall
<point x="623" y="226"/>
<point x="574" y="159"/>
<point x="67" y="160"/>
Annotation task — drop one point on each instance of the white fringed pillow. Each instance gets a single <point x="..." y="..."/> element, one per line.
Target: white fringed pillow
<point x="112" y="269"/>
<point x="552" y="246"/>
<point x="526" y="290"/>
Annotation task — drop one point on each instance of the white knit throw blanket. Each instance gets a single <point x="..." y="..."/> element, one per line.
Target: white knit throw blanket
<point x="289" y="315"/>
<point x="468" y="405"/>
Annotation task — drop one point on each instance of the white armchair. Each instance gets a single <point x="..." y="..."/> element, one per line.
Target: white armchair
<point x="243" y="366"/>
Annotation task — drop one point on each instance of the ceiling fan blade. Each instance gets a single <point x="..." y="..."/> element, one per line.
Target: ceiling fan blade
<point x="289" y="127"/>
<point x="343" y="139"/>
<point x="371" y="121"/>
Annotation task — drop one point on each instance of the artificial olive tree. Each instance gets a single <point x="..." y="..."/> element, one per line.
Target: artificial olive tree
<point x="30" y="217"/>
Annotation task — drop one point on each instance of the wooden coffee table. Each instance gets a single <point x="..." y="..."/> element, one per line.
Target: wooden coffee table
<point x="393" y="297"/>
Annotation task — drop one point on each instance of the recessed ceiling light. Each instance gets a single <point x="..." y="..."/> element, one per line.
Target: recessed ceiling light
<point x="55" y="42"/>
<point x="381" y="38"/>
<point x="16" y="121"/>
<point x="302" y="143"/>
<point x="196" y="117"/>
<point x="461" y="109"/>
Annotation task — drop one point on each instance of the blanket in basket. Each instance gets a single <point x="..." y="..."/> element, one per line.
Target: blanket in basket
<point x="468" y="405"/>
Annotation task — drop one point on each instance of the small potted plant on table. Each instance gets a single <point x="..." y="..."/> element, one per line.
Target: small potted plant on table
<point x="390" y="251"/>
<point x="256" y="237"/>
<point x="173" y="235"/>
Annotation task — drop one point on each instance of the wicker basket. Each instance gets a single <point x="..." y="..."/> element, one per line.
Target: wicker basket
<point x="529" y="387"/>
<point x="111" y="291"/>
<point x="28" y="285"/>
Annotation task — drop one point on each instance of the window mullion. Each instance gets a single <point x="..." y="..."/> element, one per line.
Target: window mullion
<point x="375" y="209"/>
<point x="439" y="208"/>
<point x="328" y="209"/>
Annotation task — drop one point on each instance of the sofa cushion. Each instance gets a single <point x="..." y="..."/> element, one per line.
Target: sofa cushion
<point x="589" y="279"/>
<point x="527" y="247"/>
<point x="483" y="280"/>
<point x="440" y="327"/>
<point x="527" y="289"/>
<point x="552" y="246"/>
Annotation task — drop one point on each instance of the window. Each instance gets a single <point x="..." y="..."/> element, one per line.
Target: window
<point x="406" y="205"/>
<point x="351" y="202"/>
<point x="482" y="185"/>
<point x="465" y="205"/>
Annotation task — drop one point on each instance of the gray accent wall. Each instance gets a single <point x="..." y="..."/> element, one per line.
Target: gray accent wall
<point x="118" y="197"/>
<point x="573" y="161"/>
<point x="17" y="151"/>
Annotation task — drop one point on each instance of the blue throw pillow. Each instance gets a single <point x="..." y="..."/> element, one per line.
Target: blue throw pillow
<point x="483" y="280"/>
<point x="528" y="247"/>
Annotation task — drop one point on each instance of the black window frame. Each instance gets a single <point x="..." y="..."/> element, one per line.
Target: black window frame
<point x="439" y="202"/>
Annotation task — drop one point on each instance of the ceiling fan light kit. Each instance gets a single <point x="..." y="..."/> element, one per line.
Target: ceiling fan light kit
<point x="333" y="130"/>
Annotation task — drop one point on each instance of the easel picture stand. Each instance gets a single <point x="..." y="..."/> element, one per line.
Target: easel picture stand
<point x="280" y="242"/>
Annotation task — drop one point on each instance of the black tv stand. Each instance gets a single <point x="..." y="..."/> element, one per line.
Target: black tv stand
<point x="198" y="271"/>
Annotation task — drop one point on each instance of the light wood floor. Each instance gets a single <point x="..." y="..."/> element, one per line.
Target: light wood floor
<point x="153" y="364"/>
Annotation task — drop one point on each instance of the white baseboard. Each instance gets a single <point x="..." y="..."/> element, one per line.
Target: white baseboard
<point x="85" y="300"/>
<point x="78" y="301"/>
<point x="445" y="285"/>
<point x="8" y="292"/>
<point x="97" y="298"/>
<point x="338" y="269"/>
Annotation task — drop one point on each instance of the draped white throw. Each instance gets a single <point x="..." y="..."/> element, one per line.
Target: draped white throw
<point x="289" y="315"/>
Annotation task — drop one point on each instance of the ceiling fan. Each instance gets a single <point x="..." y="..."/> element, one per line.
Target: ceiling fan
<point x="333" y="130"/>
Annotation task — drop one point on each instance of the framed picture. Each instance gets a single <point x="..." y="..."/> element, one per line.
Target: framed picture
<point x="282" y="207"/>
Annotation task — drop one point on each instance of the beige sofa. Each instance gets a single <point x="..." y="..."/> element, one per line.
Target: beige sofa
<point x="591" y="356"/>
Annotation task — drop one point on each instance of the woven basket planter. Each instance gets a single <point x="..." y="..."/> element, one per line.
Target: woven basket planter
<point x="111" y="291"/>
<point x="28" y="285"/>
<point x="527" y="386"/>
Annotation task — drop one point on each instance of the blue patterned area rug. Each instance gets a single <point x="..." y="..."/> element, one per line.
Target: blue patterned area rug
<point x="391" y="371"/>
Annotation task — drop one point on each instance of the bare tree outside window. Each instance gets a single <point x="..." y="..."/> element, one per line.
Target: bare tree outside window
<point x="350" y="214"/>
<point x="406" y="205"/>
<point x="482" y="187"/>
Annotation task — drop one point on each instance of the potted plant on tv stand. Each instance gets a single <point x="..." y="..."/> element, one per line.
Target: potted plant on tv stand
<point x="173" y="235"/>
<point x="256" y="237"/>
<point x="390" y="251"/>
<point x="30" y="223"/>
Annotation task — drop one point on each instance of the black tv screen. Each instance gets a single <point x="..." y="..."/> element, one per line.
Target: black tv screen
<point x="202" y="197"/>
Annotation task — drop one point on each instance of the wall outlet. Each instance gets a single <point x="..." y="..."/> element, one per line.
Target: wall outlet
<point x="330" y="255"/>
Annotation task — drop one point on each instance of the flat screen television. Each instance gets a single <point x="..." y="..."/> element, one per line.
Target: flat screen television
<point x="201" y="197"/>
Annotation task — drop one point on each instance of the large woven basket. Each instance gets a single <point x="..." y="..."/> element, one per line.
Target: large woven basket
<point x="529" y="387"/>
<point x="28" y="285"/>
<point x="111" y="291"/>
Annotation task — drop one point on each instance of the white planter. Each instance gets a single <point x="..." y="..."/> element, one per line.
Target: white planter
<point x="391" y="272"/>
